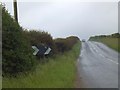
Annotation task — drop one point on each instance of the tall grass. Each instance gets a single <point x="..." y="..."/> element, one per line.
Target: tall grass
<point x="58" y="72"/>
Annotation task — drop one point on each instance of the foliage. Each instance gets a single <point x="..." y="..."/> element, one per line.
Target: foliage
<point x="65" y="44"/>
<point x="57" y="45"/>
<point x="40" y="37"/>
<point x="59" y="72"/>
<point x="115" y="35"/>
<point x="17" y="53"/>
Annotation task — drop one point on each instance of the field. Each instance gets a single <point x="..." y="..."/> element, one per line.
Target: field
<point x="58" y="72"/>
<point x="110" y="42"/>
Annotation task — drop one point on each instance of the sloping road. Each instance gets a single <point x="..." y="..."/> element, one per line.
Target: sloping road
<point x="97" y="66"/>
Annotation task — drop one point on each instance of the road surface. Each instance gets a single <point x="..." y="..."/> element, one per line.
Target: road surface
<point x="97" y="66"/>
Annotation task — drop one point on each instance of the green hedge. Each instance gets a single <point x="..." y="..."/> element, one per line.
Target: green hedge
<point x="17" y="53"/>
<point x="40" y="37"/>
<point x="16" y="45"/>
<point x="65" y="44"/>
<point x="114" y="35"/>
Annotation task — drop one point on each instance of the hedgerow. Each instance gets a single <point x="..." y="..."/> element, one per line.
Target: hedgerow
<point x="16" y="51"/>
<point x="65" y="44"/>
<point x="17" y="55"/>
<point x="40" y="37"/>
<point x="115" y="35"/>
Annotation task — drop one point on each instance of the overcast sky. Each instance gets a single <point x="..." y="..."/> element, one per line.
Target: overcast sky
<point x="82" y="19"/>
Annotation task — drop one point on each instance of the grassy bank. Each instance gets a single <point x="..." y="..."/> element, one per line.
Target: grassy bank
<point x="110" y="42"/>
<point x="58" y="72"/>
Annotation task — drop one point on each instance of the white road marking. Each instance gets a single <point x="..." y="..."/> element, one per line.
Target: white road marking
<point x="104" y="56"/>
<point x="81" y="54"/>
<point x="112" y="61"/>
<point x="93" y="48"/>
<point x="108" y="59"/>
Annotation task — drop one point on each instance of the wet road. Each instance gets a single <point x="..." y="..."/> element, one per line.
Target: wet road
<point x="97" y="66"/>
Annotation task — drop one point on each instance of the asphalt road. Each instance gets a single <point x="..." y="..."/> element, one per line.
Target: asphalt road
<point x="97" y="66"/>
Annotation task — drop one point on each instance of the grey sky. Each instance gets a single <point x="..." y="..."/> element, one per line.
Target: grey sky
<point x="64" y="19"/>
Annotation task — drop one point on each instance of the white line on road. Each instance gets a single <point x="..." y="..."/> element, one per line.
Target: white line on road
<point x="108" y="58"/>
<point x="112" y="61"/>
<point x="102" y="55"/>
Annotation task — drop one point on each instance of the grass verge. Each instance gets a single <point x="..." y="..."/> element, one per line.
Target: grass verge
<point x="59" y="72"/>
<point x="110" y="42"/>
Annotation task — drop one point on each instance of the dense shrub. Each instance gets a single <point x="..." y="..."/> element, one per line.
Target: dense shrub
<point x="71" y="41"/>
<point x="40" y="37"/>
<point x="17" y="52"/>
<point x="116" y="35"/>
<point x="16" y="45"/>
<point x="57" y="45"/>
<point x="65" y="44"/>
<point x="60" y="44"/>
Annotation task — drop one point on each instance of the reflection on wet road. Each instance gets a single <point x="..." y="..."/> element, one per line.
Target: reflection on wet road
<point x="98" y="66"/>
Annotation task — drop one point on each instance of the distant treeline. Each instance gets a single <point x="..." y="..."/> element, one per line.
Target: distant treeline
<point x="115" y="35"/>
<point x="17" y="55"/>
